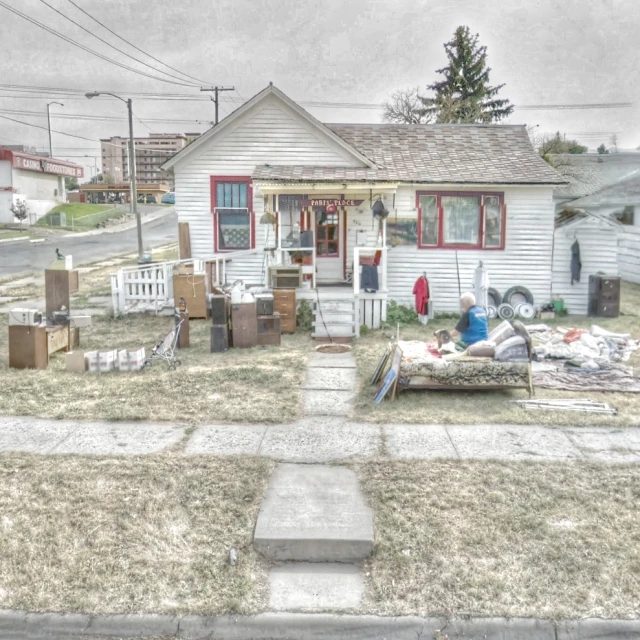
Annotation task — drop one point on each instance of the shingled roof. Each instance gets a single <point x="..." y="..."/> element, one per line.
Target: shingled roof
<point x="430" y="154"/>
<point x="587" y="173"/>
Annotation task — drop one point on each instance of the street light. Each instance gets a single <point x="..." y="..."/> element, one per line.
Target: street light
<point x="133" y="189"/>
<point x="49" y="125"/>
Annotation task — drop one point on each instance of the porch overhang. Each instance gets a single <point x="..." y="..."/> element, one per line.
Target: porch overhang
<point x="268" y="186"/>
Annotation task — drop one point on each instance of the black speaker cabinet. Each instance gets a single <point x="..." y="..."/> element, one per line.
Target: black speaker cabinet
<point x="219" y="338"/>
<point x="264" y="304"/>
<point x="219" y="309"/>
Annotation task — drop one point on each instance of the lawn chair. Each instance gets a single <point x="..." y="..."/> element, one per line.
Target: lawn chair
<point x="166" y="349"/>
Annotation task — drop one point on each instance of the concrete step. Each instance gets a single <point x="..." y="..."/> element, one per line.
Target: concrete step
<point x="314" y="513"/>
<point x="301" y="586"/>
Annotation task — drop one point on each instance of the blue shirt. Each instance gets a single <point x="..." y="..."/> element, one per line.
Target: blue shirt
<point x="473" y="325"/>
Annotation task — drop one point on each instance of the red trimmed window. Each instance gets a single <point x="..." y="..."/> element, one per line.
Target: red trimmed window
<point x="327" y="233"/>
<point x="460" y="220"/>
<point x="231" y="205"/>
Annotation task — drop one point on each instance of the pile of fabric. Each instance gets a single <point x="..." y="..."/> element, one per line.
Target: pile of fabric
<point x="583" y="360"/>
<point x="592" y="350"/>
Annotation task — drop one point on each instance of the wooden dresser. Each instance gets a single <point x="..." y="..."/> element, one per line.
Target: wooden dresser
<point x="284" y="302"/>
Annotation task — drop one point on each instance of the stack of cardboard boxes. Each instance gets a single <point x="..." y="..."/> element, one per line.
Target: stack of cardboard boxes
<point x="105" y="361"/>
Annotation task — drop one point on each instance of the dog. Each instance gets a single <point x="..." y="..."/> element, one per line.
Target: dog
<point x="443" y="337"/>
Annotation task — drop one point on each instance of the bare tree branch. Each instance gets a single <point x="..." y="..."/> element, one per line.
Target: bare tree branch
<point x="405" y="107"/>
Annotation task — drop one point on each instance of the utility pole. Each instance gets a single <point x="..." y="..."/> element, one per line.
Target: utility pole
<point x="133" y="187"/>
<point x="215" y="99"/>
<point x="49" y="125"/>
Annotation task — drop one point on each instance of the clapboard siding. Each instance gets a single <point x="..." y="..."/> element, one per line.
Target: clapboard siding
<point x="272" y="133"/>
<point x="526" y="259"/>
<point x="629" y="252"/>
<point x="598" y="242"/>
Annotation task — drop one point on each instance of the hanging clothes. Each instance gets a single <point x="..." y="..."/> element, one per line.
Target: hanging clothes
<point x="481" y="286"/>
<point x="576" y="264"/>
<point x="421" y="293"/>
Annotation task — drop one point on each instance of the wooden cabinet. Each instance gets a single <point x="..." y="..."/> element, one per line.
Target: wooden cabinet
<point x="269" y="329"/>
<point x="284" y="302"/>
<point x="193" y="288"/>
<point x="604" y="296"/>
<point x="28" y="348"/>
<point x="244" y="322"/>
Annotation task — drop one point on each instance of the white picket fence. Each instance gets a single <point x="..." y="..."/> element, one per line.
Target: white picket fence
<point x="150" y="287"/>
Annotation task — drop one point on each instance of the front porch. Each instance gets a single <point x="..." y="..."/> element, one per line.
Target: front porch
<point x="332" y="236"/>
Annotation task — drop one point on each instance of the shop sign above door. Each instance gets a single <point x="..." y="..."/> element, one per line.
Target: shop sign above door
<point x="336" y="202"/>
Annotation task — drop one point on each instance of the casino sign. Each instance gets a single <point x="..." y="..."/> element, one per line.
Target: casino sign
<point x="42" y="165"/>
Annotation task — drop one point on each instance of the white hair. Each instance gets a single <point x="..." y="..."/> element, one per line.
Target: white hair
<point x="467" y="300"/>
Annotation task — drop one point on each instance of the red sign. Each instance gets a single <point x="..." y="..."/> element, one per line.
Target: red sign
<point x="46" y="165"/>
<point x="331" y="202"/>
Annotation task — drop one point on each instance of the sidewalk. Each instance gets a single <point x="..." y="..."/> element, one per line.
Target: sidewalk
<point x="325" y="439"/>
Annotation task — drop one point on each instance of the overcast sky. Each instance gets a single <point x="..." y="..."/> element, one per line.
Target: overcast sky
<point x="356" y="51"/>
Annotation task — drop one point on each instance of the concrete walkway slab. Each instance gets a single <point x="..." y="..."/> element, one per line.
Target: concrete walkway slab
<point x="119" y="438"/>
<point x="425" y="442"/>
<point x="31" y="435"/>
<point x="314" y="514"/>
<point x="226" y="440"/>
<point x="607" y="445"/>
<point x="328" y="403"/>
<point x="332" y="360"/>
<point x="320" y="440"/>
<point x="340" y="379"/>
<point x="501" y="442"/>
<point x="315" y="587"/>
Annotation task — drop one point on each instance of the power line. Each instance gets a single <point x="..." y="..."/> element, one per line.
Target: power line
<point x="62" y="133"/>
<point x="87" y="49"/>
<point x="108" y="43"/>
<point x="134" y="46"/>
<point x="95" y="118"/>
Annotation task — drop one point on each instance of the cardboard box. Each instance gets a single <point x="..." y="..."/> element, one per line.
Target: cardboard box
<point x="80" y="321"/>
<point x="546" y="315"/>
<point x="136" y="358"/>
<point x="184" y="269"/>
<point x="92" y="361"/>
<point x="123" y="360"/>
<point x="76" y="361"/>
<point x="107" y="360"/>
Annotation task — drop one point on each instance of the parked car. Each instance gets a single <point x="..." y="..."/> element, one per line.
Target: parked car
<point x="169" y="198"/>
<point x="148" y="198"/>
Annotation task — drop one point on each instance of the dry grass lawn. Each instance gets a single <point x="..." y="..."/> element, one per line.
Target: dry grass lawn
<point x="493" y="407"/>
<point x="242" y="385"/>
<point x="504" y="539"/>
<point x="119" y="535"/>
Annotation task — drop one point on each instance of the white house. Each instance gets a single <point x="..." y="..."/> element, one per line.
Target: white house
<point x="456" y="194"/>
<point x="36" y="180"/>
<point x="606" y="187"/>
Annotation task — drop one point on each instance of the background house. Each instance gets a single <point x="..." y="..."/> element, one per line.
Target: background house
<point x="607" y="187"/>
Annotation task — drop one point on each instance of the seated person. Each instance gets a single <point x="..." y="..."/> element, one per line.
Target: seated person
<point x="473" y="325"/>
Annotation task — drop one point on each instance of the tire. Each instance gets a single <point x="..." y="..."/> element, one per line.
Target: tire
<point x="492" y="312"/>
<point x="506" y="312"/>
<point x="495" y="299"/>
<point x="515" y="295"/>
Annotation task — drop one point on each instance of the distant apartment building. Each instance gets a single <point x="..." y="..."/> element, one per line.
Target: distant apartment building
<point x="151" y="153"/>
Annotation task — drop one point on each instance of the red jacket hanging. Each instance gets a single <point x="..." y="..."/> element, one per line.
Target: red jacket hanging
<point x="421" y="292"/>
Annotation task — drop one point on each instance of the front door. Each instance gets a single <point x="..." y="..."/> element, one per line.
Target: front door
<point x="329" y="249"/>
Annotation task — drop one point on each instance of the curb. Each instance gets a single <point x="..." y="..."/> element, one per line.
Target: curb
<point x="125" y="227"/>
<point x="18" y="239"/>
<point x="301" y="626"/>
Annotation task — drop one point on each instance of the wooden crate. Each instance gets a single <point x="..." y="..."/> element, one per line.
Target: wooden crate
<point x="28" y="347"/>
<point x="284" y="302"/>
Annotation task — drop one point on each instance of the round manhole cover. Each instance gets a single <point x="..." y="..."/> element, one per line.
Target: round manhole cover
<point x="333" y="348"/>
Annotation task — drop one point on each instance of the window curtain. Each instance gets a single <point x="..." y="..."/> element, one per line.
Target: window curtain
<point x="461" y="219"/>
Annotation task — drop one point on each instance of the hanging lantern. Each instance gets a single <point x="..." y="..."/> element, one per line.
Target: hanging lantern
<point x="331" y="208"/>
<point x="379" y="210"/>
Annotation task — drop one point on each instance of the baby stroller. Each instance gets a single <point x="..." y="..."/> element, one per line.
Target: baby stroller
<point x="166" y="349"/>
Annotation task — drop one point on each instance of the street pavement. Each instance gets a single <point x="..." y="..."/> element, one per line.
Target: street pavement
<point x="27" y="257"/>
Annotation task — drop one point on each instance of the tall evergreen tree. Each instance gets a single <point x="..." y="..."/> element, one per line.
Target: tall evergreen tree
<point x="465" y="95"/>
